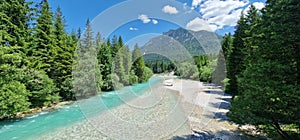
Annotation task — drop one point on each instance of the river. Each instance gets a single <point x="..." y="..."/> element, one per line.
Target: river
<point x="36" y="125"/>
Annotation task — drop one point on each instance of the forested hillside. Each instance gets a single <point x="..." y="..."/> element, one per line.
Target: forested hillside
<point x="42" y="64"/>
<point x="263" y="69"/>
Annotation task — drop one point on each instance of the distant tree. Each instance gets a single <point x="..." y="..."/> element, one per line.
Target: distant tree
<point x="114" y="45"/>
<point x="219" y="73"/>
<point x="138" y="64"/>
<point x="87" y="75"/>
<point x="105" y="61"/>
<point x="118" y="67"/>
<point x="127" y="62"/>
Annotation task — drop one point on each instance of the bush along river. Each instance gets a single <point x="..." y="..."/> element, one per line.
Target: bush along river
<point x="41" y="123"/>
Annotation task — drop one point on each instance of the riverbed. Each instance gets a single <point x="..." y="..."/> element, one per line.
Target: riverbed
<point x="187" y="109"/>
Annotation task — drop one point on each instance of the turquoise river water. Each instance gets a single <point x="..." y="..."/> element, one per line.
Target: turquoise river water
<point x="47" y="121"/>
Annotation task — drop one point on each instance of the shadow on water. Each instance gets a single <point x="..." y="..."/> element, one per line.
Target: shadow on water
<point x="220" y="135"/>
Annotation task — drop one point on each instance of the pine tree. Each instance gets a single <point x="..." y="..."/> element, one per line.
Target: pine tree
<point x="114" y="45"/>
<point x="44" y="47"/>
<point x="13" y="93"/>
<point x="138" y="65"/>
<point x="65" y="47"/>
<point x="236" y="58"/>
<point x="15" y="21"/>
<point x="127" y="62"/>
<point x="105" y="61"/>
<point x="251" y="40"/>
<point x="270" y="94"/>
<point x="87" y="75"/>
<point x="219" y="73"/>
<point x="118" y="68"/>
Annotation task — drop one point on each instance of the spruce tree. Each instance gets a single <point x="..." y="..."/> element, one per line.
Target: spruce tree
<point x="138" y="64"/>
<point x="219" y="73"/>
<point x="44" y="51"/>
<point x="63" y="60"/>
<point x="105" y="61"/>
<point x="236" y="58"/>
<point x="270" y="92"/>
<point x="87" y="75"/>
<point x="127" y="62"/>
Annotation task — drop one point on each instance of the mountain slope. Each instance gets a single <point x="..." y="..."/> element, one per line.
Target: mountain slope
<point x="181" y="44"/>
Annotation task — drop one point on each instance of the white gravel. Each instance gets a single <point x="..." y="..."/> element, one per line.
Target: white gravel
<point x="165" y="112"/>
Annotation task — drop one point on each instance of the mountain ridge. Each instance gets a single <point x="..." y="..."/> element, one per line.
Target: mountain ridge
<point x="181" y="44"/>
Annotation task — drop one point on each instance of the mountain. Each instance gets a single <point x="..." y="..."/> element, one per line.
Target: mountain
<point x="181" y="44"/>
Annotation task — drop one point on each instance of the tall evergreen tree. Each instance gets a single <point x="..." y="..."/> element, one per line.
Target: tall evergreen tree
<point x="44" y="48"/>
<point x="105" y="60"/>
<point x="138" y="64"/>
<point x="118" y="67"/>
<point x="15" y="17"/>
<point x="236" y="58"/>
<point x="63" y="59"/>
<point x="13" y="93"/>
<point x="251" y="41"/>
<point x="270" y="94"/>
<point x="127" y="62"/>
<point x="219" y="74"/>
<point x="87" y="75"/>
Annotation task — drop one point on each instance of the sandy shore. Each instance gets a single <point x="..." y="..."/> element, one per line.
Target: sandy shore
<point x="186" y="110"/>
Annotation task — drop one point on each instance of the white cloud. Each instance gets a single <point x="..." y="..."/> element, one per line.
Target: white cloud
<point x="133" y="29"/>
<point x="257" y="5"/>
<point x="144" y="18"/>
<point x="226" y="20"/>
<point x="198" y="24"/>
<point x="220" y="13"/>
<point x="213" y="27"/>
<point x="169" y="9"/>
<point x="154" y="21"/>
<point x="195" y="3"/>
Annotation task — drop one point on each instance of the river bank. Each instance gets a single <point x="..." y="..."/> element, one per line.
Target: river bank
<point x="188" y="109"/>
<point x="33" y="111"/>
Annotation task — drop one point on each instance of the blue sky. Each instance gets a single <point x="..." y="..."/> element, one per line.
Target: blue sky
<point x="139" y="20"/>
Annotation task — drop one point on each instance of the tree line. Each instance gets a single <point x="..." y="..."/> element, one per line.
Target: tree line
<point x="40" y="63"/>
<point x="263" y="69"/>
<point x="198" y="68"/>
<point x="106" y="65"/>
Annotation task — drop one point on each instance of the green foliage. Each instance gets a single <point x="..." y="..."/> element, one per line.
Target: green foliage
<point x="147" y="73"/>
<point x="138" y="65"/>
<point x="268" y="87"/>
<point x="63" y="59"/>
<point x="13" y="98"/>
<point x="42" y="88"/>
<point x="118" y="68"/>
<point x="116" y="81"/>
<point x="267" y="99"/>
<point x="43" y="51"/>
<point x="37" y="57"/>
<point x="14" y="21"/>
<point x="187" y="70"/>
<point x="219" y="73"/>
<point x="206" y="74"/>
<point x="133" y="79"/>
<point x="104" y="57"/>
<point x="86" y="74"/>
<point x="236" y="58"/>
<point x="87" y="78"/>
